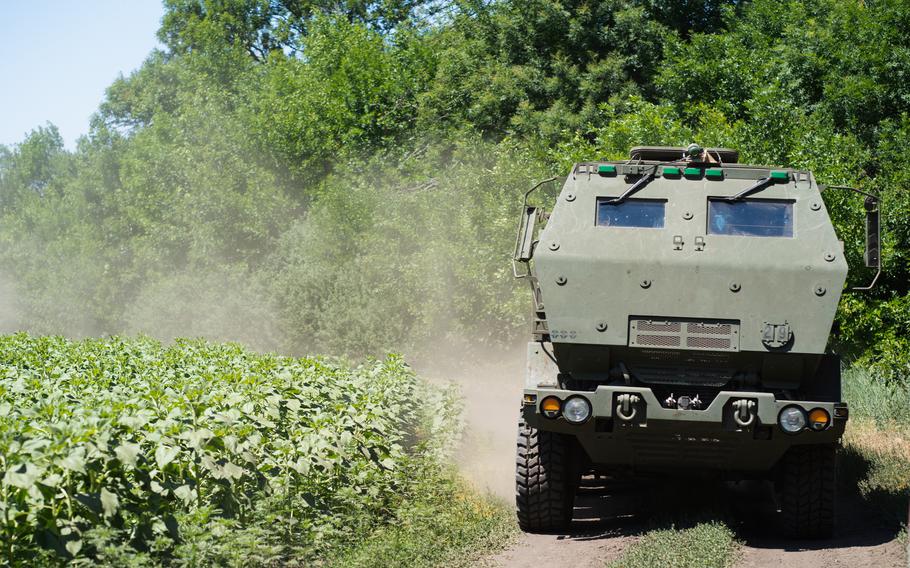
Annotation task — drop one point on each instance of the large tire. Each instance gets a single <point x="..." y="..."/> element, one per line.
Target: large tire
<point x="808" y="491"/>
<point x="545" y="480"/>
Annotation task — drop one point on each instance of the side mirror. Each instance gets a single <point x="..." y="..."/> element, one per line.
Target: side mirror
<point x="524" y="243"/>
<point x="873" y="234"/>
<point x="524" y="247"/>
<point x="873" y="254"/>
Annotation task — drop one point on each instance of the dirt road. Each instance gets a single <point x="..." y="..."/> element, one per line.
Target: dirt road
<point x="606" y="523"/>
<point x="607" y="520"/>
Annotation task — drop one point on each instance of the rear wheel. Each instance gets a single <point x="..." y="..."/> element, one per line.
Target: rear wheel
<point x="546" y="479"/>
<point x="808" y="491"/>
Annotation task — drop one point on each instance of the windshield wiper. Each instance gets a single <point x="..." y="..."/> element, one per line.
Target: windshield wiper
<point x="754" y="188"/>
<point x="642" y="181"/>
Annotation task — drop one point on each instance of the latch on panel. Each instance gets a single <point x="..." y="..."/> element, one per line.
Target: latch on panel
<point x="699" y="243"/>
<point x="677" y="242"/>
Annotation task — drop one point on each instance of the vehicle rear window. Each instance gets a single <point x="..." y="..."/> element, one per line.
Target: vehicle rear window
<point x="751" y="218"/>
<point x="647" y="213"/>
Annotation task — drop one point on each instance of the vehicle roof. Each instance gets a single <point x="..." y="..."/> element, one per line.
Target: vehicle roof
<point x="676" y="153"/>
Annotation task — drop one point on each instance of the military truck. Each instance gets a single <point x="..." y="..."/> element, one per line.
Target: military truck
<point x="682" y="304"/>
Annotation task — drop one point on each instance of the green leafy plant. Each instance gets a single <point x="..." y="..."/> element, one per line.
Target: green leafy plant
<point x="118" y="446"/>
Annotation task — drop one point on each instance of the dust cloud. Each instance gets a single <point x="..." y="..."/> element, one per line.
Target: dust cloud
<point x="490" y="383"/>
<point x="10" y="310"/>
<point x="218" y="304"/>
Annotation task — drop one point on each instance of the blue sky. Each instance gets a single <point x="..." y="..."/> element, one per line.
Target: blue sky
<point x="58" y="56"/>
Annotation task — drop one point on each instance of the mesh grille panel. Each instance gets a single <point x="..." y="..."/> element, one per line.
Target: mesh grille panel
<point x="668" y="333"/>
<point x="658" y="340"/>
<point x="673" y="326"/>
<point x="716" y="329"/>
<point x="708" y="342"/>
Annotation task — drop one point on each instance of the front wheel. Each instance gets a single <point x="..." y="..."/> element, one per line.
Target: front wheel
<point x="808" y="491"/>
<point x="545" y="480"/>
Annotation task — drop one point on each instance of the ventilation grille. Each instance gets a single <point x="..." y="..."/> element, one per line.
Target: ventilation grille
<point x="700" y="327"/>
<point x="658" y="340"/>
<point x="674" y="326"/>
<point x="708" y="343"/>
<point x="701" y="335"/>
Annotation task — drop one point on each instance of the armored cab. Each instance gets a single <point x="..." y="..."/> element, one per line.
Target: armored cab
<point x="682" y="307"/>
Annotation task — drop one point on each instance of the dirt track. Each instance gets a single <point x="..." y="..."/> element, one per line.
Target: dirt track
<point x="607" y="521"/>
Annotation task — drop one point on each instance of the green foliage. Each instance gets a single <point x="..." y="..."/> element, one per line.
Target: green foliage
<point x="886" y="403"/>
<point x="876" y="455"/>
<point x="404" y="252"/>
<point x="709" y="544"/>
<point x="343" y="176"/>
<point x="125" y="447"/>
<point x="440" y="522"/>
<point x="354" y="92"/>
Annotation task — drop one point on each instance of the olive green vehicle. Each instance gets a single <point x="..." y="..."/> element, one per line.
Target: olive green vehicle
<point x="682" y="307"/>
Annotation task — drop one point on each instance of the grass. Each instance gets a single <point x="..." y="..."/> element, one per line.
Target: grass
<point x="886" y="403"/>
<point x="876" y="455"/>
<point x="444" y="523"/>
<point x="705" y="545"/>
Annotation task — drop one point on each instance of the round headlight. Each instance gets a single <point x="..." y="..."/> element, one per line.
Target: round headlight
<point x="576" y="410"/>
<point x="792" y="419"/>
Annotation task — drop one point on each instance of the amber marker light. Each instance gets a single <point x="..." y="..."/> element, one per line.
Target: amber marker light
<point x="819" y="419"/>
<point x="550" y="407"/>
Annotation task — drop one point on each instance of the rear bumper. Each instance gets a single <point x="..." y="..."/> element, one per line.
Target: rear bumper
<point x="657" y="438"/>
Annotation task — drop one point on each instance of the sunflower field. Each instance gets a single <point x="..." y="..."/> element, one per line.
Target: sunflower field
<point x="126" y="451"/>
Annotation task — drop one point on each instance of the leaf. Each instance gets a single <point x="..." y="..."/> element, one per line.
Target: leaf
<point x="232" y="471"/>
<point x="230" y="442"/>
<point x="308" y="499"/>
<point x="52" y="480"/>
<point x="198" y="438"/>
<point x="75" y="461"/>
<point x="22" y="476"/>
<point x="74" y="546"/>
<point x="127" y="454"/>
<point x="109" y="502"/>
<point x="185" y="493"/>
<point x="91" y="501"/>
<point x="165" y="455"/>
<point x="301" y="466"/>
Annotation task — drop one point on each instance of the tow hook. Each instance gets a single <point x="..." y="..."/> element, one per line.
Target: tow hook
<point x="744" y="412"/>
<point x="625" y="406"/>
